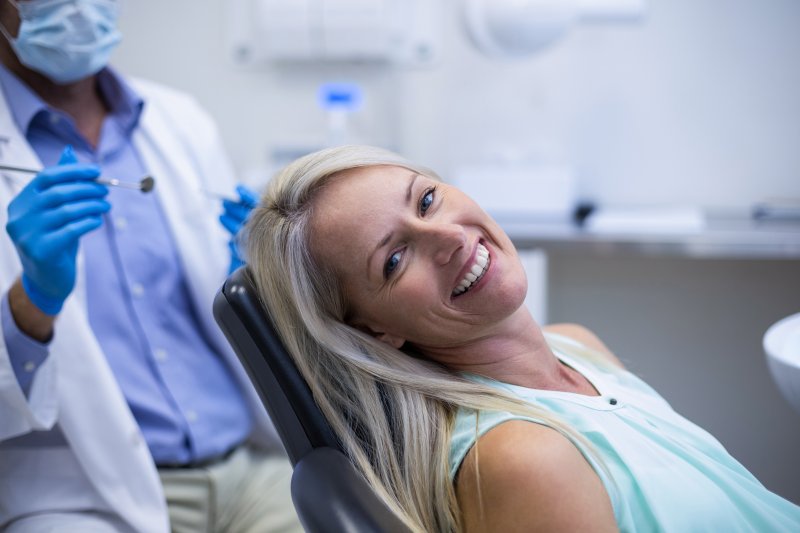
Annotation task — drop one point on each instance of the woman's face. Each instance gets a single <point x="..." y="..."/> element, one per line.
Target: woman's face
<point x="418" y="260"/>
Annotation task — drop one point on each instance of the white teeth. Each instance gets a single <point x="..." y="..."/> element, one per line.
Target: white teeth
<point x="475" y="272"/>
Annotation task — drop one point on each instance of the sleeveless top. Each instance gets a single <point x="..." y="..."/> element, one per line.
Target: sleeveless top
<point x="666" y="474"/>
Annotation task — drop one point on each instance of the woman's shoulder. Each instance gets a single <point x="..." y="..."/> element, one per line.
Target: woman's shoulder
<point x="528" y="476"/>
<point x="584" y="336"/>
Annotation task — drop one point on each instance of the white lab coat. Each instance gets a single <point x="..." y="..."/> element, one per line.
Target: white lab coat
<point x="75" y="387"/>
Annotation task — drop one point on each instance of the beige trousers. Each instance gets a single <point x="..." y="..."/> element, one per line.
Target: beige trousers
<point x="248" y="492"/>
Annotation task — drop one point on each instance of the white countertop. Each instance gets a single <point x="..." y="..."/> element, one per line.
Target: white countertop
<point x="728" y="235"/>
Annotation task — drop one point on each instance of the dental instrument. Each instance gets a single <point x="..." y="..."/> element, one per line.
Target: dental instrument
<point x="145" y="185"/>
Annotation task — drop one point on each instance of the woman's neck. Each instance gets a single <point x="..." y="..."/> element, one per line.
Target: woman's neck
<point x="516" y="352"/>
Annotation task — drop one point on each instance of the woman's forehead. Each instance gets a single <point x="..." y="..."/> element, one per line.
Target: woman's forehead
<point x="370" y="187"/>
<point x="353" y="201"/>
<point x="373" y="175"/>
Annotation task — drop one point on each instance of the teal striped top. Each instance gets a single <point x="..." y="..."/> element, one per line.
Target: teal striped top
<point x="666" y="473"/>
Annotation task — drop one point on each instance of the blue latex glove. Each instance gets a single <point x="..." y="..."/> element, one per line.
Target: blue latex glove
<point x="233" y="218"/>
<point x="47" y="219"/>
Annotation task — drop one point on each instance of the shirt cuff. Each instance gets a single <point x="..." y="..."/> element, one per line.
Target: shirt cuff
<point x="26" y="354"/>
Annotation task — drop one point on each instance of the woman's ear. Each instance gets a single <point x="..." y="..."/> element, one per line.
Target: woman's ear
<point x="388" y="338"/>
<point x="391" y="340"/>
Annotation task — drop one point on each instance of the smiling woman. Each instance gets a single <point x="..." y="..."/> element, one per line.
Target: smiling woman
<point x="401" y="302"/>
<point x="414" y="258"/>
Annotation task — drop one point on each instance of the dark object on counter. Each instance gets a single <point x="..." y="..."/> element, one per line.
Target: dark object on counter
<point x="777" y="212"/>
<point x="582" y="212"/>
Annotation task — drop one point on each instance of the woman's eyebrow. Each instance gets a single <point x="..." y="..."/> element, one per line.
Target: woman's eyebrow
<point x="411" y="187"/>
<point x="388" y="236"/>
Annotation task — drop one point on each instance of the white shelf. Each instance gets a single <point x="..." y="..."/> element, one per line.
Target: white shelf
<point x="725" y="236"/>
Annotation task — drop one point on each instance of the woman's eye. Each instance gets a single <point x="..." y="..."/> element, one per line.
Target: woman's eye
<point x="391" y="264"/>
<point x="427" y="200"/>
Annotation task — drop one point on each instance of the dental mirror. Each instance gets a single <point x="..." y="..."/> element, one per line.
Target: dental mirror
<point x="145" y="185"/>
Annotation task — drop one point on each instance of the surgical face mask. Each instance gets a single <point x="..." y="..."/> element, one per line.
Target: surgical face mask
<point x="66" y="40"/>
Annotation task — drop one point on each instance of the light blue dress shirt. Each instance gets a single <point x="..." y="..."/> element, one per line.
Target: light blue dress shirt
<point x="666" y="474"/>
<point x="180" y="391"/>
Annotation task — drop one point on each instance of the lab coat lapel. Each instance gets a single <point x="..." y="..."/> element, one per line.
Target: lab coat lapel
<point x="14" y="150"/>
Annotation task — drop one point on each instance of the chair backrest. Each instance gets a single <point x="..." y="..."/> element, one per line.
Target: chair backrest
<point x="328" y="492"/>
<point x="283" y="391"/>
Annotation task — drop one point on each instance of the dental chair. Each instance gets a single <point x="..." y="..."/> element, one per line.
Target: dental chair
<point x="329" y="494"/>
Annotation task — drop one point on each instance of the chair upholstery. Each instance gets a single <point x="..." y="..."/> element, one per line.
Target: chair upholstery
<point x="327" y="490"/>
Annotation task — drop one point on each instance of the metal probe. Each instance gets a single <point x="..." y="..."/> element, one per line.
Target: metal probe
<point x="146" y="184"/>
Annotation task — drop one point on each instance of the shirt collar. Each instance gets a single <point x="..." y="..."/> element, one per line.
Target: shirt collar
<point x="123" y="102"/>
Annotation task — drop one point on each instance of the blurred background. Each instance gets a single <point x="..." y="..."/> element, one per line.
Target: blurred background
<point x="672" y="123"/>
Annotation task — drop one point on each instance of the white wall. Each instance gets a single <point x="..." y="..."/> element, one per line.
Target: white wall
<point x="697" y="103"/>
<point x="700" y="103"/>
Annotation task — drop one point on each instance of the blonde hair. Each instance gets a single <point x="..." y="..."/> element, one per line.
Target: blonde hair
<point x="394" y="413"/>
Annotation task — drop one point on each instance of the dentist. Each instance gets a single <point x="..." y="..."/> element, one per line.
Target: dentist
<point x="121" y="406"/>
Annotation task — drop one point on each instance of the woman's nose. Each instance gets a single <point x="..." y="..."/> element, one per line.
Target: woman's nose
<point x="445" y="240"/>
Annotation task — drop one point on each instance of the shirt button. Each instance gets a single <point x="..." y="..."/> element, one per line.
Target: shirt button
<point x="121" y="223"/>
<point x="30" y="366"/>
<point x="161" y="355"/>
<point x="137" y="289"/>
<point x="54" y="119"/>
<point x="191" y="416"/>
<point x="613" y="401"/>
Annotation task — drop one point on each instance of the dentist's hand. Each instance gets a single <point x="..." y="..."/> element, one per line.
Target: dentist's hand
<point x="47" y="219"/>
<point x="234" y="217"/>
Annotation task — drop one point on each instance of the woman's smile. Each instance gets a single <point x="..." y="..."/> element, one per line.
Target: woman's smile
<point x="474" y="271"/>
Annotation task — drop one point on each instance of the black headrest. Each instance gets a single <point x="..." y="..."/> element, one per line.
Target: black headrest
<point x="282" y="389"/>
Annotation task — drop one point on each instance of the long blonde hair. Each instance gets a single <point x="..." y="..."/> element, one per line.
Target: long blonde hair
<point x="393" y="412"/>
